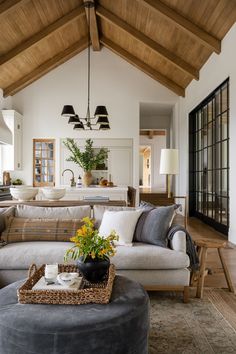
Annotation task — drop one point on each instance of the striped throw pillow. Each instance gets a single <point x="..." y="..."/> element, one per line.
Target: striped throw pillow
<point x="21" y="229"/>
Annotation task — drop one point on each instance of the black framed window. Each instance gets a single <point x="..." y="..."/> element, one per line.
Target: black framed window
<point x="209" y="159"/>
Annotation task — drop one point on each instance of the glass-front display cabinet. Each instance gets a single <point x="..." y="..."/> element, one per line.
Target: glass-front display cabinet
<point x="43" y="162"/>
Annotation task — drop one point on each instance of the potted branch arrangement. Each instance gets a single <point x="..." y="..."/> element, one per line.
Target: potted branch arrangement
<point x="92" y="251"/>
<point x="87" y="159"/>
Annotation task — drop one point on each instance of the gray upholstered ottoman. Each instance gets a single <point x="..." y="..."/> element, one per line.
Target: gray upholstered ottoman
<point x="120" y="327"/>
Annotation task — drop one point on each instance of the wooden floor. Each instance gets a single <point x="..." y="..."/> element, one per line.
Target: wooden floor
<point x="198" y="229"/>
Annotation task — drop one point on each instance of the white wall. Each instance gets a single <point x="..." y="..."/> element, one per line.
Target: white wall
<point x="213" y="73"/>
<point x="158" y="182"/>
<point x="5" y="103"/>
<point x="114" y="83"/>
<point x="157" y="122"/>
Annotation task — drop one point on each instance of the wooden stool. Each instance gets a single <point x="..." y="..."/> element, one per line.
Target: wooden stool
<point x="203" y="245"/>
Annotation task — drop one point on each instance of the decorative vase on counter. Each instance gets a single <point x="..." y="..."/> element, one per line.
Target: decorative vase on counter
<point x="93" y="270"/>
<point x="87" y="178"/>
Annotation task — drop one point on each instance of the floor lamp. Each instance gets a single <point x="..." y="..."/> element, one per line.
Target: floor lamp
<point x="169" y="165"/>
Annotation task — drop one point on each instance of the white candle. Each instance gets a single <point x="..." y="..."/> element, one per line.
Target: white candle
<point x="51" y="271"/>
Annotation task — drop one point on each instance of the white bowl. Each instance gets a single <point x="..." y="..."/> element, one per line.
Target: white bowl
<point x="23" y="193"/>
<point x="54" y="193"/>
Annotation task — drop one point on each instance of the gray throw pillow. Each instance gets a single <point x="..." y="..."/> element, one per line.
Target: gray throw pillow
<point x="146" y="205"/>
<point x="153" y="225"/>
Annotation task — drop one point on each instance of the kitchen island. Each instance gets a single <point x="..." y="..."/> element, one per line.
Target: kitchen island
<point x="92" y="193"/>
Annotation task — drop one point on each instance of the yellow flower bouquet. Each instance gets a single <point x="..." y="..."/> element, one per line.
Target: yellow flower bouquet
<point x="92" y="251"/>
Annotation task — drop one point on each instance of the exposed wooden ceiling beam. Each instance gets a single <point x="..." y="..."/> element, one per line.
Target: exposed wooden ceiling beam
<point x="9" y="5"/>
<point x="143" y="66"/>
<point x="93" y="27"/>
<point x="180" y="21"/>
<point x="44" y="68"/>
<point x="151" y="133"/>
<point x="47" y="31"/>
<point x="157" y="48"/>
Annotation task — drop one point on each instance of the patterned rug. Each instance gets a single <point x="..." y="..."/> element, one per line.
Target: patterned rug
<point x="203" y="326"/>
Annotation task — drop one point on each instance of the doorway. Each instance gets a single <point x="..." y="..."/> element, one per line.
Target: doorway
<point x="145" y="166"/>
<point x="156" y="132"/>
<point x="209" y="159"/>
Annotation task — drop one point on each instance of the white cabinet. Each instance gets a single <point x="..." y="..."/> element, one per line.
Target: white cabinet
<point x="91" y="193"/>
<point x="12" y="154"/>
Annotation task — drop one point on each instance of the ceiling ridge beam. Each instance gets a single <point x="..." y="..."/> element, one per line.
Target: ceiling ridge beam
<point x="154" y="46"/>
<point x="155" y="132"/>
<point x="9" y="5"/>
<point x="47" y="66"/>
<point x="44" y="33"/>
<point x="208" y="40"/>
<point x="154" y="74"/>
<point x="94" y="34"/>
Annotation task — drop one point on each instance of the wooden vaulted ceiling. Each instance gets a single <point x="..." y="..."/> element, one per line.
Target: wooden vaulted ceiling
<point x="169" y="40"/>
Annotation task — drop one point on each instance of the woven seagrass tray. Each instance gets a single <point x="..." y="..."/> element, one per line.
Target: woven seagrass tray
<point x="97" y="293"/>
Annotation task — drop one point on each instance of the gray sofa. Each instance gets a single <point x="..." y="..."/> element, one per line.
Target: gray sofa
<point x="156" y="268"/>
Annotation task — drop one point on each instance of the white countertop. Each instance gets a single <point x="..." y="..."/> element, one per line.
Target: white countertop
<point x="94" y="187"/>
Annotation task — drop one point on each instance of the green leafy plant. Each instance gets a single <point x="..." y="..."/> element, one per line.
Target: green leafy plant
<point x="89" y="244"/>
<point x="17" y="182"/>
<point x="86" y="159"/>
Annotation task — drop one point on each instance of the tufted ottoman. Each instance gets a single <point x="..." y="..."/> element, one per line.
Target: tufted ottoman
<point x="120" y="327"/>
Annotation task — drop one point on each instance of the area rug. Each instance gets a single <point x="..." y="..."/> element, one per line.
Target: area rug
<point x="203" y="326"/>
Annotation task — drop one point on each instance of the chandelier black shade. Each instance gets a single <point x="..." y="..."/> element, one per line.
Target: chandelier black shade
<point x="103" y="120"/>
<point x="104" y="127"/>
<point x="68" y="111"/>
<point x="101" y="113"/>
<point x="79" y="126"/>
<point x="74" y="119"/>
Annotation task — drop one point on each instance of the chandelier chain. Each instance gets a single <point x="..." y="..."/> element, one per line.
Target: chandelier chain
<point x="88" y="109"/>
<point x="101" y="113"/>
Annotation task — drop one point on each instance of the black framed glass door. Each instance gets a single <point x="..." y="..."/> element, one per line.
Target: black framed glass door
<point x="209" y="159"/>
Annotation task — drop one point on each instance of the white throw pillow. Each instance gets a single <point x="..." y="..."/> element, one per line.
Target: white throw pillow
<point x="123" y="222"/>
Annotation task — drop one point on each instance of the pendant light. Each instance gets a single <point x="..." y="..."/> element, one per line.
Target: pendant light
<point x="101" y="114"/>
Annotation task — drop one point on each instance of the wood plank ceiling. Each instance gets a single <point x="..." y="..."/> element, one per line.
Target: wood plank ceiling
<point x="169" y="40"/>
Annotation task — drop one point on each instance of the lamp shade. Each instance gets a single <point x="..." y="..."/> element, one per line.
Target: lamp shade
<point x="169" y="164"/>
<point x="104" y="127"/>
<point x="74" y="119"/>
<point x="102" y="120"/>
<point x="68" y="111"/>
<point x="101" y="111"/>
<point x="79" y="126"/>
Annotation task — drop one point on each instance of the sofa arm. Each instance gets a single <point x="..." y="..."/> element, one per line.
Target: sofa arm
<point x="178" y="242"/>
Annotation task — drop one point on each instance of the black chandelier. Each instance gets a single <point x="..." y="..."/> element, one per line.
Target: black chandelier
<point x="100" y="113"/>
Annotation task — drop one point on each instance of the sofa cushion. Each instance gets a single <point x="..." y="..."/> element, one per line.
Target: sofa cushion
<point x="123" y="222"/>
<point x="99" y="210"/>
<point x="21" y="255"/>
<point x="146" y="256"/>
<point x="140" y="256"/>
<point x="5" y="213"/>
<point x="153" y="225"/>
<point x="35" y="212"/>
<point x="21" y="229"/>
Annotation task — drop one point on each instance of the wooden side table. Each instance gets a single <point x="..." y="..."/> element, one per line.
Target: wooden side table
<point x="203" y="245"/>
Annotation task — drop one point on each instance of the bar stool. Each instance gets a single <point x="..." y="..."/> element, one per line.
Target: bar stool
<point x="202" y="246"/>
